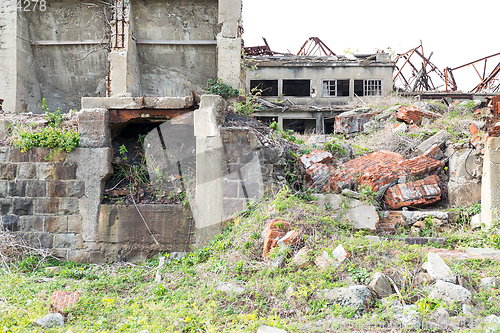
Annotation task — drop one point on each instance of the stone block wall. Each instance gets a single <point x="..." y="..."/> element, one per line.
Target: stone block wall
<point x="40" y="200"/>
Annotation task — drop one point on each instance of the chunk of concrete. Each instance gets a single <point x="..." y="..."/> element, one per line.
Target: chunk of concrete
<point x="50" y="320"/>
<point x="450" y="293"/>
<point x="339" y="254"/>
<point x="475" y="221"/>
<point x="482" y="251"/>
<point x="301" y="257"/>
<point x="363" y="217"/>
<point x="439" y="139"/>
<point x="228" y="287"/>
<point x="381" y="284"/>
<point x="489" y="283"/>
<point x="357" y="297"/>
<point x="408" y="317"/>
<point x="437" y="268"/>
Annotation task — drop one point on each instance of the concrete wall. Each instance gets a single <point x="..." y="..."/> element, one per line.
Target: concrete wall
<point x="316" y="71"/>
<point x="490" y="189"/>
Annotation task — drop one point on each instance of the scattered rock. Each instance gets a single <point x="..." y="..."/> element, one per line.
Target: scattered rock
<point x="363" y="217"/>
<point x="291" y="238"/>
<point x="317" y="139"/>
<point x="339" y="254"/>
<point x="439" y="139"/>
<point x="274" y="231"/>
<point x="373" y="239"/>
<point x="468" y="310"/>
<point x="489" y="283"/>
<point x="450" y="293"/>
<point x="301" y="258"/>
<point x="53" y="270"/>
<point x="408" y="317"/>
<point x="492" y="323"/>
<point x="401" y="128"/>
<point x="423" y="278"/>
<point x="482" y="251"/>
<point x="475" y="221"/>
<point x="437" y="268"/>
<point x="357" y="297"/>
<point x="50" y="320"/>
<point x="290" y="290"/>
<point x="230" y="288"/>
<point x="269" y="329"/>
<point x="381" y="284"/>
<point x="351" y="194"/>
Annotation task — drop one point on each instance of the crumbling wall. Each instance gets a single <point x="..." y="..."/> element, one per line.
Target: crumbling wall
<point x="176" y="70"/>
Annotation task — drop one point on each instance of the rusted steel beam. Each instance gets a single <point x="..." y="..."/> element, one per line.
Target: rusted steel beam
<point x="123" y="116"/>
<point x="312" y="43"/>
<point x="478" y="60"/>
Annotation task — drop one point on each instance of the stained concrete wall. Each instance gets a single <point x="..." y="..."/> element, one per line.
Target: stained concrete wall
<point x="317" y="70"/>
<point x="490" y="189"/>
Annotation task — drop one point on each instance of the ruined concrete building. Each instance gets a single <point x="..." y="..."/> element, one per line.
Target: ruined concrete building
<point x="316" y="87"/>
<point x="65" y="50"/>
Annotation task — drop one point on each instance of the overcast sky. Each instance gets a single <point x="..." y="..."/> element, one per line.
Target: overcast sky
<point x="456" y="31"/>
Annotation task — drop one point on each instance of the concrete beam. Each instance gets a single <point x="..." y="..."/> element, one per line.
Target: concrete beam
<point x="229" y="60"/>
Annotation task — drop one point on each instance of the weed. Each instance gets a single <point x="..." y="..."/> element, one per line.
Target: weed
<point x="335" y="147"/>
<point x="248" y="103"/>
<point x="218" y="87"/>
<point x="285" y="134"/>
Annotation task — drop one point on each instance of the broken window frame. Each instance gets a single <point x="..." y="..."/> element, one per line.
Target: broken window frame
<point x="372" y="87"/>
<point x="326" y="88"/>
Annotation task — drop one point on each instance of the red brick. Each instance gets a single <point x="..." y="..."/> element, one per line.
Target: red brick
<point x="421" y="192"/>
<point x="62" y="300"/>
<point x="317" y="175"/>
<point x="473" y="129"/>
<point x="434" y="152"/>
<point x="413" y="115"/>
<point x="274" y="232"/>
<point x="413" y="128"/>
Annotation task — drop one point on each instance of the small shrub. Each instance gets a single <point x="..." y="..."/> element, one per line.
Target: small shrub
<point x="335" y="147"/>
<point x="217" y="87"/>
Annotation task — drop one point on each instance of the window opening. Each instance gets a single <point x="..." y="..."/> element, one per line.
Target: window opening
<point x="298" y="88"/>
<point x="268" y="87"/>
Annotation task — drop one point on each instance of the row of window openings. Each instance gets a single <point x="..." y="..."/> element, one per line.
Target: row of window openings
<point x="330" y="88"/>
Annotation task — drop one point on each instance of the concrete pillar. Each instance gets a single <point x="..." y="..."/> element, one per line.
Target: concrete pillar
<point x="208" y="214"/>
<point x="490" y="188"/>
<point x="229" y="43"/>
<point x="124" y="78"/>
<point x="320" y="124"/>
<point x="280" y="122"/>
<point x="18" y="84"/>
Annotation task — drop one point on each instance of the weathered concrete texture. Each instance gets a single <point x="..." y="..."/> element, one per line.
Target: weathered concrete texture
<point x="228" y="60"/>
<point x="124" y="236"/>
<point x="356" y="297"/>
<point x="352" y="121"/>
<point x="176" y="70"/>
<point x="381" y="284"/>
<point x="437" y="139"/>
<point x="450" y="293"/>
<point x="465" y="169"/>
<point x="490" y="189"/>
<point x="437" y="268"/>
<point x="59" y="73"/>
<point x="93" y="126"/>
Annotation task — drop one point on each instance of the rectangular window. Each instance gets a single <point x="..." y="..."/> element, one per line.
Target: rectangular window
<point x="329" y="88"/>
<point x="373" y="88"/>
<point x="368" y="87"/>
<point x="298" y="88"/>
<point x="268" y="87"/>
<point x="335" y="88"/>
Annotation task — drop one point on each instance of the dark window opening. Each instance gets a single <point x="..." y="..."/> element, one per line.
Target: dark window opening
<point x="298" y="88"/>
<point x="358" y="87"/>
<point x="342" y="88"/>
<point x="268" y="87"/>
<point x="329" y="126"/>
<point x="267" y="120"/>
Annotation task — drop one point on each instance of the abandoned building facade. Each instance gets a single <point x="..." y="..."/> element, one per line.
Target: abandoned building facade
<point x="326" y="83"/>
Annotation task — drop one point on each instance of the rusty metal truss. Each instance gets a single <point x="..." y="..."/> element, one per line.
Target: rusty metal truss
<point x="490" y="82"/>
<point x="315" y="47"/>
<point x="259" y="50"/>
<point x="421" y="78"/>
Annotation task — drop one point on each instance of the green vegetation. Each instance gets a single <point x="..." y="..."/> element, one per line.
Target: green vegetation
<point x="218" y="87"/>
<point x="284" y="134"/>
<point x="52" y="136"/>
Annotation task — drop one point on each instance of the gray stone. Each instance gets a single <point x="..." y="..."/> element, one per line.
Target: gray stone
<point x="439" y="217"/>
<point x="450" y="293"/>
<point x="381" y="284"/>
<point x="351" y="194"/>
<point x="401" y="128"/>
<point x="93" y="126"/>
<point x="488" y="283"/>
<point x="408" y="317"/>
<point x="230" y="288"/>
<point x="373" y="239"/>
<point x="363" y="217"/>
<point x="290" y="290"/>
<point x="492" y="324"/>
<point x="468" y="310"/>
<point x="357" y="297"/>
<point x="475" y="221"/>
<point x="50" y="320"/>
<point x="269" y="329"/>
<point x="439" y="138"/>
<point x="437" y="268"/>
<point x="63" y="241"/>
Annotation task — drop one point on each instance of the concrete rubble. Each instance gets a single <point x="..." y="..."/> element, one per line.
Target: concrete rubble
<point x="438" y="269"/>
<point x="357" y="297"/>
<point x="450" y="293"/>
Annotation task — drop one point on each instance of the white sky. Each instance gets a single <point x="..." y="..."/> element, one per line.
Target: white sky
<point x="456" y="31"/>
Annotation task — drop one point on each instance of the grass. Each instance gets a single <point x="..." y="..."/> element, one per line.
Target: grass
<point x="125" y="297"/>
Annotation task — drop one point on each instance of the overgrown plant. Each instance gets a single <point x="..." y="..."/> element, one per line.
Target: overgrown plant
<point x="248" y="103"/>
<point x="285" y="134"/>
<point x="218" y="87"/>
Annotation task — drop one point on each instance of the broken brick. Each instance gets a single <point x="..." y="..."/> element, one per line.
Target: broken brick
<point x="275" y="230"/>
<point x="434" y="152"/>
<point x="317" y="175"/>
<point x="390" y="224"/>
<point x="421" y="165"/>
<point x="62" y="300"/>
<point x="291" y="238"/>
<point x="413" y="115"/>
<point x="317" y="156"/>
<point x="473" y="129"/>
<point x="421" y="192"/>
<point x="413" y="128"/>
<point x="339" y="254"/>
